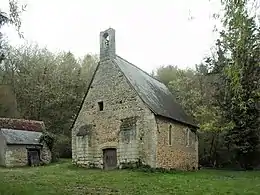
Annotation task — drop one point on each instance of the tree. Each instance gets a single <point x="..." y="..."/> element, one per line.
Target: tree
<point x="13" y="18"/>
<point x="48" y="87"/>
<point x="238" y="71"/>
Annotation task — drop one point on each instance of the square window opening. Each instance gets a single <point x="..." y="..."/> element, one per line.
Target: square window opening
<point x="101" y="106"/>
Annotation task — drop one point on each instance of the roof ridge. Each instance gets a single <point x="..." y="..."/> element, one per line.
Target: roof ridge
<point x="129" y="82"/>
<point x="155" y="94"/>
<point x="20" y="119"/>
<point x="141" y="70"/>
<point x="22" y="124"/>
<point x="9" y="129"/>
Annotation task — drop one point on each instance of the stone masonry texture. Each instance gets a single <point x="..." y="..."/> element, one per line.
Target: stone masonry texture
<point x="120" y="103"/>
<point x="2" y="150"/>
<point x="16" y="155"/>
<point x="45" y="154"/>
<point x="182" y="153"/>
<point x="129" y="126"/>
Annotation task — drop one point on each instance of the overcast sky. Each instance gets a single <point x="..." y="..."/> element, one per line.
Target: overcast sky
<point x="148" y="33"/>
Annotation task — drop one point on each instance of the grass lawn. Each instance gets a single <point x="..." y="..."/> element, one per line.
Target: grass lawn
<point x="62" y="178"/>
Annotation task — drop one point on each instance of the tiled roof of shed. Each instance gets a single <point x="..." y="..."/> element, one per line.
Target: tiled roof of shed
<point x="21" y="137"/>
<point x="22" y="124"/>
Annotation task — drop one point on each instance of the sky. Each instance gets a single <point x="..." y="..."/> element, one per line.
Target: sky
<point x="148" y="33"/>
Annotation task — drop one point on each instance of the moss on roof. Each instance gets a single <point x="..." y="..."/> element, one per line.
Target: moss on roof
<point x="22" y="124"/>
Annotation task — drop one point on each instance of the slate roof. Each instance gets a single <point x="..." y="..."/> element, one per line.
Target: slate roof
<point x="22" y="124"/>
<point x="21" y="137"/>
<point x="154" y="93"/>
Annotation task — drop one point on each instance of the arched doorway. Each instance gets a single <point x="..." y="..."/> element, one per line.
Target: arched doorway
<point x="109" y="158"/>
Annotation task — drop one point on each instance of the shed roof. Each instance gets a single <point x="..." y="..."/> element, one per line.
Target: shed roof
<point x="154" y="93"/>
<point x="20" y="137"/>
<point x="22" y="124"/>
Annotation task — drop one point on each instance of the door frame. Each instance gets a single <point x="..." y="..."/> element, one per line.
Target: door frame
<point x="105" y="167"/>
<point x="29" y="150"/>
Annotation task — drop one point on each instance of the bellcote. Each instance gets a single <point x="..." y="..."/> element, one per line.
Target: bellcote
<point x="107" y="44"/>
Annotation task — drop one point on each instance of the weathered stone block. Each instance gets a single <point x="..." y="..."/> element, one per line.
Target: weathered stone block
<point x="179" y="155"/>
<point x="145" y="137"/>
<point x="108" y="121"/>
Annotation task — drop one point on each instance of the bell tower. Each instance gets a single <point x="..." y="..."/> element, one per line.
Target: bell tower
<point x="107" y="44"/>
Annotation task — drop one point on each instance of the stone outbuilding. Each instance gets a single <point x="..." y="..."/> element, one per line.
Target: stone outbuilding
<point x="20" y="143"/>
<point x="129" y="116"/>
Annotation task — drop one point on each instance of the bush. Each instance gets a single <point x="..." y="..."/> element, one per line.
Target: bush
<point x="139" y="166"/>
<point x="50" y="140"/>
<point x="62" y="147"/>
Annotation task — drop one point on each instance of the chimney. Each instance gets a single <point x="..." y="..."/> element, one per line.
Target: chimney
<point x="107" y="44"/>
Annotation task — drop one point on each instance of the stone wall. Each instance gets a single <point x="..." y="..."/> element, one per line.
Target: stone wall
<point x="45" y="154"/>
<point x="16" y="155"/>
<point x="120" y="101"/>
<point x="2" y="150"/>
<point x="83" y="151"/>
<point x="183" y="151"/>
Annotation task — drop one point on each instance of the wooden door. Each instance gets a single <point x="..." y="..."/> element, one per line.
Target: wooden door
<point x="33" y="157"/>
<point x="109" y="158"/>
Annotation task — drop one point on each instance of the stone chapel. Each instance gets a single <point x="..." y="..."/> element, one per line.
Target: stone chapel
<point x="129" y="116"/>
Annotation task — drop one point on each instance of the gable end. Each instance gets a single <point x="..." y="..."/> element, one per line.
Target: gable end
<point x="132" y="87"/>
<point x="82" y="102"/>
<point x="153" y="93"/>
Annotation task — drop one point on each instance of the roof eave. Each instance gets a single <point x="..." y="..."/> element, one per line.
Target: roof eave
<point x="179" y="121"/>
<point x="83" y="100"/>
<point x="147" y="104"/>
<point x="115" y="63"/>
<point x="24" y="144"/>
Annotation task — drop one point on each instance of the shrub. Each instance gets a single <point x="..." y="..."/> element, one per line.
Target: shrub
<point x="62" y="146"/>
<point x="139" y="166"/>
<point x="50" y="140"/>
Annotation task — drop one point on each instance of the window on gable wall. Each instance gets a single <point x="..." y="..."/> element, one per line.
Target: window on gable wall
<point x="127" y="128"/>
<point x="101" y="106"/>
<point x="170" y="135"/>
<point x="187" y="136"/>
<point x="85" y="131"/>
<point x="127" y="135"/>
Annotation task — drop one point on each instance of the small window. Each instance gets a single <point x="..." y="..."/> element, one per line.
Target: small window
<point x="126" y="136"/>
<point x="187" y="137"/>
<point x="170" y="135"/>
<point x="101" y="106"/>
<point x="128" y="130"/>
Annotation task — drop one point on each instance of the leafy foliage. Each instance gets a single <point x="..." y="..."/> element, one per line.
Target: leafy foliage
<point x="12" y="18"/>
<point x="223" y="93"/>
<point x="48" y="87"/>
<point x="48" y="138"/>
<point x="238" y="91"/>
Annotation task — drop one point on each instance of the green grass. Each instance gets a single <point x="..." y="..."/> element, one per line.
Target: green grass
<point x="62" y="178"/>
